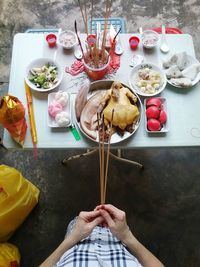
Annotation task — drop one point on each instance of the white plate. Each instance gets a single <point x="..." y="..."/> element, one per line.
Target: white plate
<point x="51" y="121"/>
<point x="103" y="85"/>
<point x="134" y="76"/>
<point x="165" y="127"/>
<point x="38" y="63"/>
<point x="191" y="60"/>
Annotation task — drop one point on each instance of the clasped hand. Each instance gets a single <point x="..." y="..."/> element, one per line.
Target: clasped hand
<point x="105" y="215"/>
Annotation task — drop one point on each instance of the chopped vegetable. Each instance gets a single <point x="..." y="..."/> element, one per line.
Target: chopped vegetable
<point x="44" y="77"/>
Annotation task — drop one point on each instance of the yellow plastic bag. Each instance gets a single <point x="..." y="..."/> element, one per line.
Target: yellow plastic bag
<point x="9" y="255"/>
<point x="17" y="198"/>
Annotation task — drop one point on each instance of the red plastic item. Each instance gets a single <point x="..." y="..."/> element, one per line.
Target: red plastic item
<point x="134" y="41"/>
<point x="14" y="264"/>
<point x="91" y="39"/>
<point x="51" y="39"/>
<point x="168" y="30"/>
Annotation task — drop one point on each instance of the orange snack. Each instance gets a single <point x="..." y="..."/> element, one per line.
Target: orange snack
<point x="12" y="117"/>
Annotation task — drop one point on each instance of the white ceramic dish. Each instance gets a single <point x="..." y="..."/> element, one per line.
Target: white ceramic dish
<point x="38" y="63"/>
<point x="165" y="127"/>
<point x="149" y="39"/>
<point x="61" y="40"/>
<point x="51" y="121"/>
<point x="191" y="60"/>
<point x="133" y="77"/>
<point x="103" y="85"/>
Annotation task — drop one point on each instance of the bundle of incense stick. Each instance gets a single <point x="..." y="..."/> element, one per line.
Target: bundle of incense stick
<point x="103" y="169"/>
<point x="95" y="53"/>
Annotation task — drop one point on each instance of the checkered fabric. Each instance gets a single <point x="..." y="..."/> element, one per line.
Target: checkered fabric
<point x="100" y="248"/>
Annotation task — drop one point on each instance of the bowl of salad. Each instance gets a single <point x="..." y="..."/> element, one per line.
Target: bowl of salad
<point x="43" y="74"/>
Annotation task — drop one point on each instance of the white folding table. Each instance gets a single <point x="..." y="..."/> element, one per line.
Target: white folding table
<point x="183" y="104"/>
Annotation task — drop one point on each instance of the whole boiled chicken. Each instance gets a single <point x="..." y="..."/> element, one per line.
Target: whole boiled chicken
<point x="123" y="102"/>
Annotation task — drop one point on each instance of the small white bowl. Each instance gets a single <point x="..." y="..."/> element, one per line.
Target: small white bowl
<point x="62" y="41"/>
<point x="165" y="127"/>
<point x="38" y="63"/>
<point x="149" y="39"/>
<point x="133" y="78"/>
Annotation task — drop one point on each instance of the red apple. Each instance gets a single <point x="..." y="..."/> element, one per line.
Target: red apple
<point x="153" y="125"/>
<point x="153" y="102"/>
<point x="152" y="112"/>
<point x="163" y="117"/>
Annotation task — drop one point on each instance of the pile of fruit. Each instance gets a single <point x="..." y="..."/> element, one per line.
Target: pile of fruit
<point x="156" y="115"/>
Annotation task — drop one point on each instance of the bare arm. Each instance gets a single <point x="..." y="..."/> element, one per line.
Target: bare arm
<point x="116" y="221"/>
<point x="84" y="225"/>
<point x="62" y="248"/>
<point x="145" y="257"/>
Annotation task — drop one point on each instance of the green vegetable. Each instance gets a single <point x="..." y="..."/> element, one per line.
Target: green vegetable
<point x="43" y="77"/>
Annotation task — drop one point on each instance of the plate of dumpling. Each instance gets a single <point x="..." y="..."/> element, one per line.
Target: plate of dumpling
<point x="59" y="110"/>
<point x="112" y="110"/>
<point x="182" y="70"/>
<point x="147" y="79"/>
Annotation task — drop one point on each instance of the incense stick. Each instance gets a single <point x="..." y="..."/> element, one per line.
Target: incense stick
<point x="100" y="170"/>
<point x="86" y="18"/>
<point x="116" y="35"/>
<point x="82" y="13"/>
<point x="31" y="119"/>
<point x="79" y="41"/>
<point x="107" y="14"/>
<point x="107" y="159"/>
<point x="91" y="18"/>
<point x="102" y="163"/>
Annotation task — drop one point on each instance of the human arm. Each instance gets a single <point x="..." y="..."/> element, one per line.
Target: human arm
<point x="84" y="225"/>
<point x="116" y="221"/>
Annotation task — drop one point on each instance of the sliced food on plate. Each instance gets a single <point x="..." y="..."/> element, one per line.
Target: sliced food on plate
<point x="115" y="106"/>
<point x="182" y="70"/>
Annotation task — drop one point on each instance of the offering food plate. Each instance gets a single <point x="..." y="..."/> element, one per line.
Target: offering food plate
<point x="134" y="78"/>
<point x="51" y="121"/>
<point x="40" y="63"/>
<point x="191" y="60"/>
<point x="98" y="88"/>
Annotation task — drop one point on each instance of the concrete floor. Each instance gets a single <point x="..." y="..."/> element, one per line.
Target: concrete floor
<point x="162" y="202"/>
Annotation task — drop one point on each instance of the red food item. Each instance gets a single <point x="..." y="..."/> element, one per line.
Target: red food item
<point x="153" y="125"/>
<point x="163" y="117"/>
<point x="152" y="112"/>
<point x="153" y="102"/>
